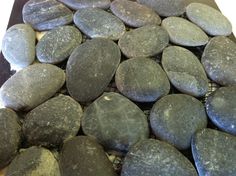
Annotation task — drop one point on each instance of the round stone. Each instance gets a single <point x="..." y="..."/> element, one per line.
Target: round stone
<point x="219" y="60"/>
<point x="97" y="23"/>
<point x="176" y="117"/>
<point x="185" y="71"/>
<point x="57" y="44"/>
<point x="145" y="41"/>
<point x="183" y="32"/>
<point x="115" y="121"/>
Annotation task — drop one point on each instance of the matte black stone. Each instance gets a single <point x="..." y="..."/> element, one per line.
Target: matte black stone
<point x="91" y="67"/>
<point x="115" y="121"/>
<point x="214" y="153"/>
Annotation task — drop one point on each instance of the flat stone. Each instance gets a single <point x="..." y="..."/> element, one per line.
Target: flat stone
<point x="185" y="71"/>
<point x="176" y="117"/>
<point x="183" y="32"/>
<point x="142" y="80"/>
<point x="152" y="157"/>
<point x="57" y="44"/>
<point x="134" y="14"/>
<point x="219" y="60"/>
<point x="212" y="21"/>
<point x="214" y="152"/>
<point x="90" y="158"/>
<point x="18" y="45"/>
<point x="115" y="121"/>
<point x="46" y="14"/>
<point x="31" y="86"/>
<point x="97" y="23"/>
<point x="145" y="41"/>
<point x="91" y="67"/>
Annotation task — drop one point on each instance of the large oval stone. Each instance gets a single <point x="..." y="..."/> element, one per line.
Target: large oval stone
<point x="91" y="67"/>
<point x="145" y="41"/>
<point x="31" y="86"/>
<point x="97" y="23"/>
<point x="115" y="121"/>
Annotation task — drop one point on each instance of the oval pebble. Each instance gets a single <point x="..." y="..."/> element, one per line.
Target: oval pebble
<point x="57" y="44"/>
<point x="183" y="32"/>
<point x="185" y="71"/>
<point x="145" y="41"/>
<point x="115" y="121"/>
<point x="31" y="86"/>
<point x="97" y="23"/>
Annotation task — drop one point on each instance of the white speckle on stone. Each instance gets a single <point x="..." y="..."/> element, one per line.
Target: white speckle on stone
<point x="107" y="98"/>
<point x="232" y="126"/>
<point x="227" y="58"/>
<point x="95" y="75"/>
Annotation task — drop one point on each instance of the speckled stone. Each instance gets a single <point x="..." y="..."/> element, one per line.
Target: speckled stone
<point x="152" y="157"/>
<point x="145" y="41"/>
<point x="182" y="32"/>
<point x="18" y="45"/>
<point x="214" y="153"/>
<point x="185" y="71"/>
<point x="97" y="23"/>
<point x="115" y="121"/>
<point x="31" y="86"/>
<point x="90" y="158"/>
<point x="46" y="14"/>
<point x="219" y="60"/>
<point x="57" y="44"/>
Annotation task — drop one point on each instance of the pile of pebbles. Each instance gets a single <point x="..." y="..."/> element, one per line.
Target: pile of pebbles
<point x="117" y="88"/>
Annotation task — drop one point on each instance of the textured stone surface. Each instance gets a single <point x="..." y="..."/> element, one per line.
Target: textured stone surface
<point x="214" y="153"/>
<point x="153" y="158"/>
<point x="46" y="14"/>
<point x="185" y="71"/>
<point x="219" y="60"/>
<point x="91" y="67"/>
<point x="115" y="122"/>
<point x="31" y="86"/>
<point x="97" y="23"/>
<point x="90" y="158"/>
<point x="183" y="32"/>
<point x="145" y="41"/>
<point x="56" y="45"/>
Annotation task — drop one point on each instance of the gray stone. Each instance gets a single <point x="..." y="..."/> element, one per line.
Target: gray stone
<point x="97" y="23"/>
<point x="115" y="121"/>
<point x="176" y="117"/>
<point x="145" y="41"/>
<point x="183" y="32"/>
<point x="219" y="60"/>
<point x="91" y="67"/>
<point x="31" y="86"/>
<point x="18" y="45"/>
<point x="185" y="71"/>
<point x="82" y="155"/>
<point x="142" y="80"/>
<point x="209" y="19"/>
<point x="152" y="157"/>
<point x="214" y="153"/>
<point x="57" y="44"/>
<point x="46" y="14"/>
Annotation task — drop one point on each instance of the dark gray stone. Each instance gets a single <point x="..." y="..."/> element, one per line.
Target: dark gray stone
<point x="31" y="86"/>
<point x="219" y="60"/>
<point x="185" y="71"/>
<point x="57" y="44"/>
<point x="145" y="41"/>
<point x="176" y="117"/>
<point x="115" y="121"/>
<point x="46" y="14"/>
<point x="142" y="80"/>
<point x="152" y="157"/>
<point x="183" y="32"/>
<point x="97" y="23"/>
<point x="214" y="153"/>
<point x="82" y="155"/>
<point x="91" y="67"/>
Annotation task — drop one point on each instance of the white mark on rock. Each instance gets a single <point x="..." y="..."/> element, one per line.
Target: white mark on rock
<point x="107" y="98"/>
